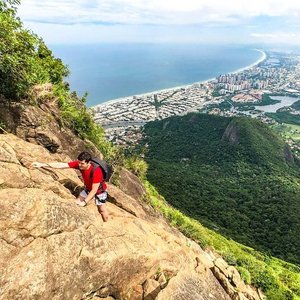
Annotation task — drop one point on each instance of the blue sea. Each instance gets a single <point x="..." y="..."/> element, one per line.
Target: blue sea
<point x="110" y="71"/>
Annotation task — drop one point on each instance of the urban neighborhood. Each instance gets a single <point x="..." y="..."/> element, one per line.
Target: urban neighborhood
<point x="246" y="92"/>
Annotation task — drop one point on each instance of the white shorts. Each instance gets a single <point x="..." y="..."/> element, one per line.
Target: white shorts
<point x="100" y="199"/>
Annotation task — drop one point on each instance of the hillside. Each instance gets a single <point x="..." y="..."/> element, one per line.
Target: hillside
<point x="53" y="249"/>
<point x="39" y="216"/>
<point x="235" y="175"/>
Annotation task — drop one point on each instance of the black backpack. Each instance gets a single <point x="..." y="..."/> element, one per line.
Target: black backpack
<point x="105" y="167"/>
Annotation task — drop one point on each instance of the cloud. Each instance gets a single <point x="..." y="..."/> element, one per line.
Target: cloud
<point x="159" y="12"/>
<point x="277" y="37"/>
<point x="230" y="21"/>
<point x="264" y="35"/>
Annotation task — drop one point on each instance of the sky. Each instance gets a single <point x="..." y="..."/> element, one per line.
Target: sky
<point x="261" y="22"/>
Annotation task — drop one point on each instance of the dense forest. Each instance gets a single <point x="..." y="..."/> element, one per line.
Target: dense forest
<point x="235" y="175"/>
<point x="284" y="117"/>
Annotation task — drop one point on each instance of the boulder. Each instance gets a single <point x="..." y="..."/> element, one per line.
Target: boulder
<point x="131" y="185"/>
<point x="162" y="281"/>
<point x="188" y="285"/>
<point x="7" y="154"/>
<point x="235" y="277"/>
<point x="151" y="289"/>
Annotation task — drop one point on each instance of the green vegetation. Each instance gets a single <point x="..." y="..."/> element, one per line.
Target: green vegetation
<point x="78" y="117"/>
<point x="216" y="92"/>
<point x="284" y="117"/>
<point x="227" y="104"/>
<point x="287" y="94"/>
<point x="245" y="107"/>
<point x="277" y="279"/>
<point x="224" y="105"/>
<point x="288" y="131"/>
<point x="25" y="61"/>
<point x="296" y="105"/>
<point x="231" y="174"/>
<point x="136" y="165"/>
<point x="267" y="100"/>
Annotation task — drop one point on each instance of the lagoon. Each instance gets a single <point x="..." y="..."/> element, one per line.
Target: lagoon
<point x="284" y="101"/>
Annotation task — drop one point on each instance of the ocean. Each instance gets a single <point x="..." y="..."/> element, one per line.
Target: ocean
<point x="110" y="71"/>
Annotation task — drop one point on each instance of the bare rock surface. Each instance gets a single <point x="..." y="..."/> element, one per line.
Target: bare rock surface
<point x="130" y="184"/>
<point x="231" y="134"/>
<point x="42" y="123"/>
<point x="52" y="249"/>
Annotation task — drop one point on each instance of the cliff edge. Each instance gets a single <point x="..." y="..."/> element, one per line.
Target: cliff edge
<point x="52" y="249"/>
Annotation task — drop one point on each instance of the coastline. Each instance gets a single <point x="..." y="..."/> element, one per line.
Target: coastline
<point x="261" y="59"/>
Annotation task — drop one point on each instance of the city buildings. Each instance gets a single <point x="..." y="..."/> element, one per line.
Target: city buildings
<point x="278" y="73"/>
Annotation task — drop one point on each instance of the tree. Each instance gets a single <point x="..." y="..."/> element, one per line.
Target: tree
<point x="25" y="60"/>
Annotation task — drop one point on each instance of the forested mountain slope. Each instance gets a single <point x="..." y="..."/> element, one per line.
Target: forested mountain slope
<point x="233" y="174"/>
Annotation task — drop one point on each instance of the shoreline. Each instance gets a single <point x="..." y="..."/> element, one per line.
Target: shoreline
<point x="259" y="60"/>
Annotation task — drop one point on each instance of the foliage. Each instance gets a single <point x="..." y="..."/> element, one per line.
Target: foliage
<point x="227" y="104"/>
<point x="267" y="100"/>
<point x="296" y="105"/>
<point x="79" y="118"/>
<point x="25" y="61"/>
<point x="231" y="174"/>
<point x="285" y="117"/>
<point x="9" y="4"/>
<point x="277" y="279"/>
<point x="288" y="131"/>
<point x="136" y="165"/>
<point x="216" y="92"/>
<point x="24" y="58"/>
<point x="245" y="275"/>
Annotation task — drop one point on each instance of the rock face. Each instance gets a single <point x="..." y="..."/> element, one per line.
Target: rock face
<point x="231" y="134"/>
<point x="288" y="154"/>
<point x="52" y="249"/>
<point x="42" y="123"/>
<point x="129" y="184"/>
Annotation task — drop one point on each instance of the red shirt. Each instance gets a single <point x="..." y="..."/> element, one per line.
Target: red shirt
<point x="88" y="181"/>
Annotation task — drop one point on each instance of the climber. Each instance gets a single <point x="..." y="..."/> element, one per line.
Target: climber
<point x="93" y="178"/>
